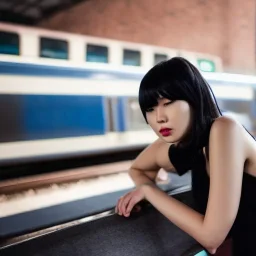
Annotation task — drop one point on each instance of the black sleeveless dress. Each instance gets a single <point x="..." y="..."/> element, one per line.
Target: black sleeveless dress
<point x="243" y="231"/>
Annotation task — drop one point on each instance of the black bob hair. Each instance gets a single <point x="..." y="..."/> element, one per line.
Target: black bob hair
<point x="178" y="79"/>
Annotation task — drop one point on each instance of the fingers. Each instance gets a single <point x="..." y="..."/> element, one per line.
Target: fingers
<point x="117" y="209"/>
<point x="129" y="207"/>
<point x="122" y="203"/>
<point x="132" y="205"/>
<point x="125" y="203"/>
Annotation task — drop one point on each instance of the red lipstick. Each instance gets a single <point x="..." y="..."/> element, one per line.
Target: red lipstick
<point x="165" y="131"/>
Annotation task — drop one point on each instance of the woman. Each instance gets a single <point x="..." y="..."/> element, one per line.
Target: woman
<point x="180" y="107"/>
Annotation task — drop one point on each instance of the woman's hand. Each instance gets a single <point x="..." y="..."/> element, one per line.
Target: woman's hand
<point x="129" y="201"/>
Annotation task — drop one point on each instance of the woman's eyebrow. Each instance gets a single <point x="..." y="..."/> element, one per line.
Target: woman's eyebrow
<point x="161" y="99"/>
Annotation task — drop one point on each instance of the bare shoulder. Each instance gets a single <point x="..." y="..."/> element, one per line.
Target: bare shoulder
<point x="224" y="126"/>
<point x="225" y="121"/>
<point x="226" y="135"/>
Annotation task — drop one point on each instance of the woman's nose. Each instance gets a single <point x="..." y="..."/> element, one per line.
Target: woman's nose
<point x="160" y="116"/>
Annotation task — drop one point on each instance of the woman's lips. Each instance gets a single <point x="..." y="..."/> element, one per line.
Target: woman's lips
<point x="166" y="132"/>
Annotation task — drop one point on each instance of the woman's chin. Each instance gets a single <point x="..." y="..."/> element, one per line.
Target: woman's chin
<point x="169" y="139"/>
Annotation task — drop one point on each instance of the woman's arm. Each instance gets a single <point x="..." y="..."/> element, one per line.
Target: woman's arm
<point x="227" y="157"/>
<point x="146" y="166"/>
<point x="144" y="171"/>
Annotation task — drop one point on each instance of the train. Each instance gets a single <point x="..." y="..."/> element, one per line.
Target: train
<point x="57" y="86"/>
<point x="42" y="46"/>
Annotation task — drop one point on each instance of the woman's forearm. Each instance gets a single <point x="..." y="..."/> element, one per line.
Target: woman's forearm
<point x="139" y="177"/>
<point x="181" y="215"/>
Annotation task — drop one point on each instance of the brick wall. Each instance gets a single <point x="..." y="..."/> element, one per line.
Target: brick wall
<point x="221" y="27"/>
<point x="239" y="49"/>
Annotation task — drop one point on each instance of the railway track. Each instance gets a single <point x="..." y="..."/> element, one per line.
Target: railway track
<point x="19" y="184"/>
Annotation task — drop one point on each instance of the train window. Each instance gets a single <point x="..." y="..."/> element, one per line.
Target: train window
<point x="159" y="58"/>
<point x="206" y="65"/>
<point x="53" y="48"/>
<point x="9" y="43"/>
<point x="131" y="58"/>
<point x="96" y="53"/>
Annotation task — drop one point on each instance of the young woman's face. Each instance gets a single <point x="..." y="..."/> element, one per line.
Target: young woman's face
<point x="170" y="120"/>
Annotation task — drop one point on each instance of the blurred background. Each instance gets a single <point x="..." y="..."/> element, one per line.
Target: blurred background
<point x="69" y="77"/>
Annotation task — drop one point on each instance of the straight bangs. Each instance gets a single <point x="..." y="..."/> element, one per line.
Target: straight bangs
<point x="149" y="94"/>
<point x="148" y="97"/>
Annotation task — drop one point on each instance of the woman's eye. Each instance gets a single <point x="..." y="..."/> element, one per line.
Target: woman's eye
<point x="168" y="103"/>
<point x="149" y="109"/>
